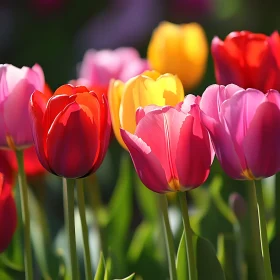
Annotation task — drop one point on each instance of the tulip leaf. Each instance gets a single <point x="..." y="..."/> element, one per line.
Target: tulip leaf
<point x="147" y="201"/>
<point x="130" y="277"/>
<point x="100" y="272"/>
<point x="181" y="261"/>
<point x="108" y="269"/>
<point x="120" y="213"/>
<point x="47" y="260"/>
<point x="208" y="265"/>
<point x="140" y="238"/>
<point x="223" y="207"/>
<point x="144" y="253"/>
<point x="228" y="257"/>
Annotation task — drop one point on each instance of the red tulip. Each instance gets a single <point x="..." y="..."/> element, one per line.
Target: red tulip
<point x="170" y="149"/>
<point x="71" y="130"/>
<point x="8" y="214"/>
<point x="247" y="59"/>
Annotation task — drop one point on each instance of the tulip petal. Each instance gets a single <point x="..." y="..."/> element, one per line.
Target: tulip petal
<point x="164" y="129"/>
<point x="16" y="115"/>
<point x="8" y="221"/>
<point x="261" y="144"/>
<point x="225" y="54"/>
<point x="104" y="128"/>
<point x="141" y="112"/>
<point x="146" y="163"/>
<point x="114" y="97"/>
<point x="238" y="112"/>
<point x="54" y="106"/>
<point x="72" y="134"/>
<point x="194" y="152"/>
<point x="38" y="103"/>
<point x="223" y="147"/>
<point x="189" y="100"/>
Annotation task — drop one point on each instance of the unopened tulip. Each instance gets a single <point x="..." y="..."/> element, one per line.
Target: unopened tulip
<point x="245" y="129"/>
<point x="16" y="87"/>
<point x="170" y="149"/>
<point x="181" y="50"/>
<point x="71" y="130"/>
<point x="99" y="67"/>
<point x="8" y="213"/>
<point x="249" y="60"/>
<point x="140" y="91"/>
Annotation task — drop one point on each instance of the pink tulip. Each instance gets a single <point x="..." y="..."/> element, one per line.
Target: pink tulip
<point x="245" y="129"/>
<point x="170" y="149"/>
<point x="16" y="87"/>
<point x="99" y="67"/>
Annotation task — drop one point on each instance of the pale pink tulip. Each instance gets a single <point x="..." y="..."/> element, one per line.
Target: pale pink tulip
<point x="16" y="87"/>
<point x="99" y="67"/>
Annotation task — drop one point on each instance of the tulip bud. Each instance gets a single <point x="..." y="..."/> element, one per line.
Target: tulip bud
<point x="238" y="205"/>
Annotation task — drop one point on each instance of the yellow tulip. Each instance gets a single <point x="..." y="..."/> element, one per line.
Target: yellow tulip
<point x="146" y="89"/>
<point x="181" y="50"/>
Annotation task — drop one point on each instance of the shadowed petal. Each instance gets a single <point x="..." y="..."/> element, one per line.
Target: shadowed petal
<point x="72" y="134"/>
<point x="261" y="144"/>
<point x="146" y="163"/>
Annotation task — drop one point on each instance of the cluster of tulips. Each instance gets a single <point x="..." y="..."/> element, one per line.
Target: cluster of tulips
<point x="172" y="138"/>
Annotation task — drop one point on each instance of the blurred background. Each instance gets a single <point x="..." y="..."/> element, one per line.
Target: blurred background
<point x="56" y="33"/>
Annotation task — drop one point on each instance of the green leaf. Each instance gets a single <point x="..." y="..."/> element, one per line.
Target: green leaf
<point x="181" y="261"/>
<point x="147" y="200"/>
<point x="130" y="277"/>
<point x="208" y="265"/>
<point x="100" y="272"/>
<point x="120" y="214"/>
<point x="141" y="237"/>
<point x="108" y="269"/>
<point x="9" y="274"/>
<point x="225" y="210"/>
<point x="227" y="255"/>
<point x="47" y="260"/>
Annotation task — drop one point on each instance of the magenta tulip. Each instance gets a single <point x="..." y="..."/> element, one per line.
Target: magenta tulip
<point x="16" y="87"/>
<point x="245" y="129"/>
<point x="170" y="149"/>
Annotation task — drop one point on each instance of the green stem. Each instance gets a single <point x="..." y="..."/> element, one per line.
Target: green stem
<point x="82" y="210"/>
<point x="25" y="216"/>
<point x="188" y="234"/>
<point x="168" y="237"/>
<point x="263" y="232"/>
<point x="69" y="203"/>
<point x="254" y="243"/>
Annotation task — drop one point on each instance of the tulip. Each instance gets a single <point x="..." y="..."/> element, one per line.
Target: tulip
<point x="8" y="214"/>
<point x="245" y="129"/>
<point x="249" y="60"/>
<point x="71" y="130"/>
<point x="16" y="87"/>
<point x="170" y="148"/>
<point x="99" y="67"/>
<point x="140" y="91"/>
<point x="181" y="50"/>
